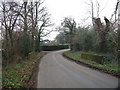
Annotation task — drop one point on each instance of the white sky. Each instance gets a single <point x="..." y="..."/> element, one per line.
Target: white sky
<point x="78" y="9"/>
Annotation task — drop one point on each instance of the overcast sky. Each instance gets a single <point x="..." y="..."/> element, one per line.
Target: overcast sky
<point x="78" y="9"/>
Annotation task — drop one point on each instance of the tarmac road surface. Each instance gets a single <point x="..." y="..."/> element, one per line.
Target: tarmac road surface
<point x="55" y="71"/>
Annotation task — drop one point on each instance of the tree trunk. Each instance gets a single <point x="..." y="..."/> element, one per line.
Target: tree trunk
<point x="33" y="26"/>
<point x="102" y="32"/>
<point x="25" y="17"/>
<point x="39" y="49"/>
<point x="71" y="42"/>
<point x="92" y="13"/>
<point x="119" y="30"/>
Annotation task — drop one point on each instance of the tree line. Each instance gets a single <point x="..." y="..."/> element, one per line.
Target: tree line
<point x="22" y="26"/>
<point x="100" y="38"/>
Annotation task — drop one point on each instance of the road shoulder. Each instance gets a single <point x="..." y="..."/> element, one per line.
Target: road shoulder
<point x="117" y="74"/>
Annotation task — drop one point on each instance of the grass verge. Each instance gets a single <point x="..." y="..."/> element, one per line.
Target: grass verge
<point x="107" y="68"/>
<point x="19" y="75"/>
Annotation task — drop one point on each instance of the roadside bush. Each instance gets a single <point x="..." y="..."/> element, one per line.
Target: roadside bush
<point x="97" y="58"/>
<point x="52" y="48"/>
<point x="24" y="45"/>
<point x="84" y="40"/>
<point x="19" y="75"/>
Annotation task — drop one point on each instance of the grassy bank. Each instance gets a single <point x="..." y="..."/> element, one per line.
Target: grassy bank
<point x="18" y="76"/>
<point x="111" y="67"/>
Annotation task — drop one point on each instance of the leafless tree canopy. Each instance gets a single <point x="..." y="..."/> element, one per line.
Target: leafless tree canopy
<point x="23" y="25"/>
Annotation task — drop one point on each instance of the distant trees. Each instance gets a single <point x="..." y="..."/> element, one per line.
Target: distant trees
<point x="84" y="39"/>
<point x="23" y="25"/>
<point x="69" y="26"/>
<point x="100" y="39"/>
<point x="61" y="38"/>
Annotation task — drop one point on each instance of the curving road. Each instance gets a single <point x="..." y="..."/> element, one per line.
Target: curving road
<point x="55" y="71"/>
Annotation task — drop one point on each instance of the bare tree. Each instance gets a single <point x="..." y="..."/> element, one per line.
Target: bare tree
<point x="23" y="25"/>
<point x="102" y="31"/>
<point x="95" y="10"/>
<point x="10" y="15"/>
<point x="44" y="22"/>
<point x="118" y="29"/>
<point x="70" y="26"/>
<point x="32" y="6"/>
<point x="35" y="19"/>
<point x="25" y="17"/>
<point x="92" y="7"/>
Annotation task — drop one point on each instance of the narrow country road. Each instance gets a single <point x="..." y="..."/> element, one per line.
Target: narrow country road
<point x="55" y="71"/>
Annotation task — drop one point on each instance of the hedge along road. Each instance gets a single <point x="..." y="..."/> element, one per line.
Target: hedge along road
<point x="55" y="71"/>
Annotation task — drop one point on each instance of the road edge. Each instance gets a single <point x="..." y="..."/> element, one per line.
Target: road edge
<point x="33" y="79"/>
<point x="92" y="67"/>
